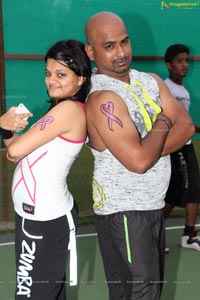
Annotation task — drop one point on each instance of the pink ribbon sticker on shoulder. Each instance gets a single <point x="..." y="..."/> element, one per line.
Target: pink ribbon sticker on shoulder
<point x="108" y="110"/>
<point x="44" y="122"/>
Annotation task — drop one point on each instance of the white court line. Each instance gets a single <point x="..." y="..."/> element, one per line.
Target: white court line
<point x="6" y="244"/>
<point x="94" y="234"/>
<point x="78" y="236"/>
<point x="178" y="227"/>
<point x="86" y="235"/>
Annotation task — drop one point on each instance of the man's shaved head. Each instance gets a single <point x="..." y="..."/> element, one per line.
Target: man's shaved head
<point x="108" y="45"/>
<point x="101" y="22"/>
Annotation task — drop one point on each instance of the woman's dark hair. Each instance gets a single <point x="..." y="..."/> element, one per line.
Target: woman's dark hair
<point x="72" y="53"/>
<point x="174" y="50"/>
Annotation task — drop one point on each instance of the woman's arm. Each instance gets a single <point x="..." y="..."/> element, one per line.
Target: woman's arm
<point x="58" y="121"/>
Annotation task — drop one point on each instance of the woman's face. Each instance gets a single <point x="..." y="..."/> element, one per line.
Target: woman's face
<point x="61" y="81"/>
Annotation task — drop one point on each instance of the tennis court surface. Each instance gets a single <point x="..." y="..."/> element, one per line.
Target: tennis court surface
<point x="181" y="280"/>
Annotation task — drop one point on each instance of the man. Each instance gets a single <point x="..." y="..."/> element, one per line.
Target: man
<point x="184" y="188"/>
<point x="128" y="134"/>
<point x="10" y="121"/>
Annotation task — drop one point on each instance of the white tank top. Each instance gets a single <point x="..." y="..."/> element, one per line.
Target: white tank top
<point x="181" y="94"/>
<point x="39" y="188"/>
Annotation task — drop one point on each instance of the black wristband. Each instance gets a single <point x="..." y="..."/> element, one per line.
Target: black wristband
<point x="166" y="121"/>
<point x="6" y="134"/>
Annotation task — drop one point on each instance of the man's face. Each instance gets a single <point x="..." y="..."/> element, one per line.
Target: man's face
<point x="111" y="51"/>
<point x="179" y="66"/>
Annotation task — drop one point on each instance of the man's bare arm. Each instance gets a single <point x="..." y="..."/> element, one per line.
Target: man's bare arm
<point x="110" y="127"/>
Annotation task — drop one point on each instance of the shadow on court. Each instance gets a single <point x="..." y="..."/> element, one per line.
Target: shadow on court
<point x="181" y="270"/>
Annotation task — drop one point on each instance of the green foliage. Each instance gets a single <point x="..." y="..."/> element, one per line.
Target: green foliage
<point x="80" y="180"/>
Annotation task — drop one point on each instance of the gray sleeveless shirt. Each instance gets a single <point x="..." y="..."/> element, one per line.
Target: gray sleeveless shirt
<point x="115" y="188"/>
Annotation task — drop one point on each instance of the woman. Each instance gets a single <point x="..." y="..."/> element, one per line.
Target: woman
<point x="45" y="210"/>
